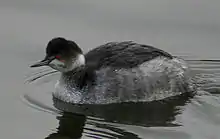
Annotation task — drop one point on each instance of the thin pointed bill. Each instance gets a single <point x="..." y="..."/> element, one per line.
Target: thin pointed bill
<point x="44" y="62"/>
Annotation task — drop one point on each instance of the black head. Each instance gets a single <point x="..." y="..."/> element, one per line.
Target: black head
<point x="61" y="46"/>
<point x="62" y="55"/>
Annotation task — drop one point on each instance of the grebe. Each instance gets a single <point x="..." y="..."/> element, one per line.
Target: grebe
<point x="115" y="72"/>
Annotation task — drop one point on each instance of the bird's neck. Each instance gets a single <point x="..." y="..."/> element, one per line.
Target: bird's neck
<point x="78" y="62"/>
<point x="75" y="78"/>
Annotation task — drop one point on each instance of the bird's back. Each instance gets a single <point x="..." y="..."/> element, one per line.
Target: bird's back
<point x="122" y="55"/>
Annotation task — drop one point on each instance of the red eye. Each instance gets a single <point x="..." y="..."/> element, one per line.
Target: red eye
<point x="58" y="57"/>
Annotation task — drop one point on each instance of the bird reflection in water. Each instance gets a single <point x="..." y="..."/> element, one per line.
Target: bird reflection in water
<point x="76" y="120"/>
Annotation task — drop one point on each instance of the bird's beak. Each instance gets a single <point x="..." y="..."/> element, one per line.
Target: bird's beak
<point x="44" y="62"/>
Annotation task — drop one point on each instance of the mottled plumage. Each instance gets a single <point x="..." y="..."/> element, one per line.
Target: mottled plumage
<point x="115" y="72"/>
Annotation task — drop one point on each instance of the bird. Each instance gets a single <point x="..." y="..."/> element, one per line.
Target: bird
<point x="114" y="72"/>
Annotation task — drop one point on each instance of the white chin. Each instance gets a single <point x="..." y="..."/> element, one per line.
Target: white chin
<point x="62" y="67"/>
<point x="58" y="65"/>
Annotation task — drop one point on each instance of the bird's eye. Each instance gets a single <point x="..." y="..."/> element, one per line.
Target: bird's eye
<point x="58" y="57"/>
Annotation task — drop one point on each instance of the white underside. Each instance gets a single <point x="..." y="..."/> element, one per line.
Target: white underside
<point x="153" y="80"/>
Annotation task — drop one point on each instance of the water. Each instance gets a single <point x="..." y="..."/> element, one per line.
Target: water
<point x="189" y="29"/>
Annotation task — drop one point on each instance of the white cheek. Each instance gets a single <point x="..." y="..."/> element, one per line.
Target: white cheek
<point x="57" y="65"/>
<point x="64" y="67"/>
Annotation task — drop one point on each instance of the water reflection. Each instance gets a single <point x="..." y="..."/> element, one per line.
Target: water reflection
<point x="73" y="126"/>
<point x="77" y="120"/>
<point x="70" y="126"/>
